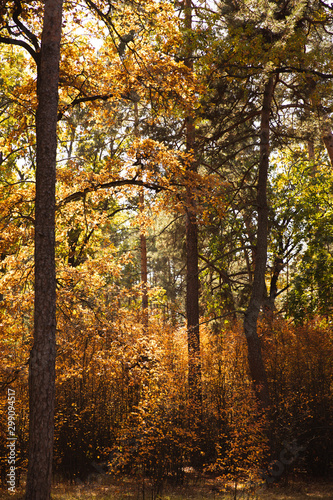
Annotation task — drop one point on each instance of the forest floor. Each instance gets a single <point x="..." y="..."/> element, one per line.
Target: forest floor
<point x="127" y="489"/>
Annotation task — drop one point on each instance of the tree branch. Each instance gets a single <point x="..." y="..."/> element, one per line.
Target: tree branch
<point x="17" y="12"/>
<point x="21" y="43"/>
<point x="95" y="187"/>
<point x="291" y="69"/>
<point x="79" y="100"/>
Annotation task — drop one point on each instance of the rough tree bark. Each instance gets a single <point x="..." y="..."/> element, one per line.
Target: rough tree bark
<point x="192" y="266"/>
<point x="256" y="364"/>
<point x="42" y="357"/>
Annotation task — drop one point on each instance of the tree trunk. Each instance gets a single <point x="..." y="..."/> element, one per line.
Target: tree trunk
<point x="328" y="141"/>
<point x="192" y="306"/>
<point x="256" y="363"/>
<point x="143" y="239"/>
<point x="311" y="150"/>
<point x="192" y="266"/>
<point x="273" y="290"/>
<point x="42" y="357"/>
<point x="325" y="127"/>
<point x="144" y="270"/>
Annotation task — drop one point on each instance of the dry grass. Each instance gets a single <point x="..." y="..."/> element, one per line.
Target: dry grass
<point x="127" y="489"/>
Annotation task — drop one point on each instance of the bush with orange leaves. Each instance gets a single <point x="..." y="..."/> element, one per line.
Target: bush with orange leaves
<point x="299" y="362"/>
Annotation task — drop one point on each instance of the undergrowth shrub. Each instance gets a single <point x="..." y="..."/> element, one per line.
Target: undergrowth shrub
<point x="122" y="400"/>
<point x="299" y="362"/>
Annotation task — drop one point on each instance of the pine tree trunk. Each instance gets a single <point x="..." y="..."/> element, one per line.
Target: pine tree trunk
<point x="192" y="307"/>
<point x="192" y="258"/>
<point x="256" y="364"/>
<point x="144" y="267"/>
<point x="143" y="238"/>
<point x="42" y="358"/>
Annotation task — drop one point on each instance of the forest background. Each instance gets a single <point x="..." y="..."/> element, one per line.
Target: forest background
<point x="193" y="242"/>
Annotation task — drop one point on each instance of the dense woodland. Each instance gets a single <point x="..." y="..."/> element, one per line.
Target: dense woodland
<point x="180" y="275"/>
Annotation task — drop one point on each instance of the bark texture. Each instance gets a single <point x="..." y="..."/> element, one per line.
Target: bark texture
<point x="42" y="358"/>
<point x="256" y="364"/>
<point x="192" y="306"/>
<point x="192" y="258"/>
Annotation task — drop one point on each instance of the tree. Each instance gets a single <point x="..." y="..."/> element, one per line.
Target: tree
<point x="301" y="196"/>
<point x="252" y="49"/>
<point x="42" y="357"/>
<point x="256" y="364"/>
<point x="192" y="259"/>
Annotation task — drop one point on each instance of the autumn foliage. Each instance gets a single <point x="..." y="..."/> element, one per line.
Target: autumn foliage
<point x="121" y="397"/>
<point x="161" y="127"/>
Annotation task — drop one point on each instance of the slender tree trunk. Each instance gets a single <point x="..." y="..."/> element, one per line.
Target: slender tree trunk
<point x="325" y="128"/>
<point x="327" y="136"/>
<point x="42" y="357"/>
<point x="192" y="266"/>
<point x="256" y="363"/>
<point x="144" y="267"/>
<point x="143" y="238"/>
<point x="311" y="150"/>
<point x="192" y="307"/>
<point x="273" y="290"/>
